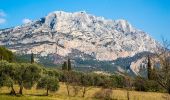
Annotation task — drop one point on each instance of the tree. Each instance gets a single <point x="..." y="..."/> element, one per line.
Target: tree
<point x="86" y="81"/>
<point x="149" y="68"/>
<point x="127" y="83"/>
<point x="6" y="54"/>
<point x="75" y="81"/>
<point x="69" y="64"/>
<point x="32" y="58"/>
<point x="64" y="66"/>
<point x="7" y="75"/>
<point x="27" y="75"/>
<point x="67" y="77"/>
<point x="50" y="83"/>
<point x="163" y="73"/>
<point x="139" y="84"/>
<point x="71" y="80"/>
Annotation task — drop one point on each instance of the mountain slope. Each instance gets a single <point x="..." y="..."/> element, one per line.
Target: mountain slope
<point x="80" y="36"/>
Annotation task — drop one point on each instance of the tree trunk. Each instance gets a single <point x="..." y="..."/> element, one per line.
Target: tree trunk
<point x="12" y="91"/>
<point x="47" y="93"/>
<point x="128" y="98"/>
<point x="169" y="91"/>
<point x="68" y="91"/>
<point x="20" y="90"/>
<point x="84" y="91"/>
<point x="76" y="90"/>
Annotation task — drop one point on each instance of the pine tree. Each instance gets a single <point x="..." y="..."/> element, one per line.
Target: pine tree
<point x="69" y="64"/>
<point x="149" y="68"/>
<point x="32" y="58"/>
<point x="153" y="76"/>
<point x="64" y="66"/>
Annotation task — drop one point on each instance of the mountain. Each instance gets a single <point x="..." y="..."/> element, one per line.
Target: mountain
<point x="92" y="43"/>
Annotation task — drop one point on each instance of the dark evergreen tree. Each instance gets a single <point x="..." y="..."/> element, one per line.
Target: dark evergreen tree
<point x="64" y="66"/>
<point x="69" y="64"/>
<point x="149" y="68"/>
<point x="32" y="58"/>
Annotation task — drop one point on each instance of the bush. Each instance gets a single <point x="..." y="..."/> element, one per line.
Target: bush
<point x="139" y="84"/>
<point x="152" y="86"/>
<point x="104" y="94"/>
<point x="142" y="84"/>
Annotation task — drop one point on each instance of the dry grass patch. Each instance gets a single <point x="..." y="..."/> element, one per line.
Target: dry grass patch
<point x="61" y="94"/>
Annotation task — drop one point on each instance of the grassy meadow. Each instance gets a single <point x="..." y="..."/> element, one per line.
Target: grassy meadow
<point x="118" y="94"/>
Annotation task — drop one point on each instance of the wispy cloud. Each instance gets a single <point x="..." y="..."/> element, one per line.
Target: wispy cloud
<point x="2" y="16"/>
<point x="2" y="13"/>
<point x="2" y="20"/>
<point x="26" y="20"/>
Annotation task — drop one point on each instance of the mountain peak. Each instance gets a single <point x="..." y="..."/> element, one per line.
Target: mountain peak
<point x="78" y="30"/>
<point x="81" y="36"/>
<point x="124" y="25"/>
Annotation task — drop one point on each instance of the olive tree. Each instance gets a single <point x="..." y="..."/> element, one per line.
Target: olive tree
<point x="27" y="75"/>
<point x="7" y="75"/>
<point x="50" y="83"/>
<point x="86" y="82"/>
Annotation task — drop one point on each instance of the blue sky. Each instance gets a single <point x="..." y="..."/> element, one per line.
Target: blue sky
<point x="151" y="16"/>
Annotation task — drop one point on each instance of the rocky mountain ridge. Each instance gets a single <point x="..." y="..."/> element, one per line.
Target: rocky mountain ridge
<point x="61" y="34"/>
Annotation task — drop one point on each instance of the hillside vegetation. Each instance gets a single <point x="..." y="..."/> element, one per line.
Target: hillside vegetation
<point x="30" y="80"/>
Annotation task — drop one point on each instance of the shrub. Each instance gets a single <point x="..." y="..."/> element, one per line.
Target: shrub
<point x="152" y="86"/>
<point x="139" y="84"/>
<point x="104" y="94"/>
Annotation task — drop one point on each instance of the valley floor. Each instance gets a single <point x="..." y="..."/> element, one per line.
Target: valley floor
<point x="118" y="94"/>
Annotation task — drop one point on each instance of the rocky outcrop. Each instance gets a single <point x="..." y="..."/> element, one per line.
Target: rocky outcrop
<point x="59" y="33"/>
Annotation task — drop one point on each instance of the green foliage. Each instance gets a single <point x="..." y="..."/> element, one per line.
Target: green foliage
<point x="52" y="72"/>
<point x="22" y="58"/>
<point x="118" y="81"/>
<point x="50" y="83"/>
<point x="6" y="54"/>
<point x="27" y="75"/>
<point x="7" y="75"/>
<point x="49" y="80"/>
<point x="64" y="66"/>
<point x="139" y="84"/>
<point x="153" y="86"/>
<point x="67" y="65"/>
<point x="86" y="80"/>
<point x="142" y="84"/>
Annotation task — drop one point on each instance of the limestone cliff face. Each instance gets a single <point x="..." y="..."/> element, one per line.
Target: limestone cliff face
<point x="59" y="33"/>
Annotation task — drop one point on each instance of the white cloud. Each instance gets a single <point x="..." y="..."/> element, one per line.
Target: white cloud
<point x="2" y="17"/>
<point x="2" y="20"/>
<point x="26" y="20"/>
<point x="2" y="13"/>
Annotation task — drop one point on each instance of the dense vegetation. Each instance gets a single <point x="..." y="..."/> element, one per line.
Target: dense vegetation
<point x="6" y="54"/>
<point x="29" y="74"/>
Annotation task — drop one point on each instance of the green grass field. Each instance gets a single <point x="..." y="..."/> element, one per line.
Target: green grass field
<point x="119" y="94"/>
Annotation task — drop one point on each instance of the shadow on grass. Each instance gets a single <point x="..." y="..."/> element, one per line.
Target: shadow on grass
<point x="19" y="95"/>
<point x="42" y="95"/>
<point x="8" y="94"/>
